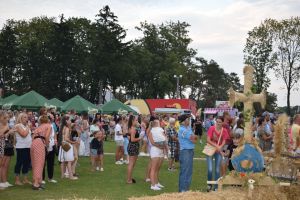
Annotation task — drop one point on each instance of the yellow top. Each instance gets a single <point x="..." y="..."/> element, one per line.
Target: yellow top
<point x="177" y="125"/>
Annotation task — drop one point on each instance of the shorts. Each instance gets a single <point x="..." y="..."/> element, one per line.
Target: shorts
<point x="120" y="143"/>
<point x="96" y="152"/>
<point x="8" y="151"/>
<point x="93" y="152"/>
<point x="156" y="152"/>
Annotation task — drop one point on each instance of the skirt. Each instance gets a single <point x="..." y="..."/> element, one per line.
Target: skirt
<point x="64" y="156"/>
<point x="133" y="148"/>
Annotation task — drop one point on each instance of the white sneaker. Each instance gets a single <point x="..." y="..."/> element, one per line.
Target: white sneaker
<point x="160" y="185"/>
<point x="126" y="162"/>
<point x="52" y="181"/>
<point x="67" y="175"/>
<point x="97" y="169"/>
<point x="74" y="178"/>
<point x="142" y="154"/>
<point x="147" y="180"/>
<point x="119" y="162"/>
<point x="44" y="182"/>
<point x="8" y="184"/>
<point x="155" y="188"/>
<point x="102" y="170"/>
<point x="3" y="185"/>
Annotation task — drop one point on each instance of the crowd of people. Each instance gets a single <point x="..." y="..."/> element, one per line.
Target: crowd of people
<point x="38" y="138"/>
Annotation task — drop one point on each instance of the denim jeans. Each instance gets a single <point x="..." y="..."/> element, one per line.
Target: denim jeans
<point x="209" y="161"/>
<point x="23" y="161"/>
<point x="186" y="169"/>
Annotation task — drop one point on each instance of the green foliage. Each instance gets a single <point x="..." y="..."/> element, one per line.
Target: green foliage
<point x="68" y="56"/>
<point x="257" y="52"/>
<point x="248" y="114"/>
<point x="275" y="45"/>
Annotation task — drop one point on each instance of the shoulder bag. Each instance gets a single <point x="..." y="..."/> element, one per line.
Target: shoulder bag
<point x="209" y="149"/>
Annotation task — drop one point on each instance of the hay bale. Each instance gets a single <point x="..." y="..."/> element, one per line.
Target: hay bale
<point x="259" y="193"/>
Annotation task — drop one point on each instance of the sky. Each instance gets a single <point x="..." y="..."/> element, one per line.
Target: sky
<point x="218" y="27"/>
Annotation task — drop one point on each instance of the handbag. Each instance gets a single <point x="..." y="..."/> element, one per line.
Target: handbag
<point x="209" y="149"/>
<point x="66" y="146"/>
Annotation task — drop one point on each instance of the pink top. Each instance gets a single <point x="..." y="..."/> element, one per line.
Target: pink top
<point x="214" y="135"/>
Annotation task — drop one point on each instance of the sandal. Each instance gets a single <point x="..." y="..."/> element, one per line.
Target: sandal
<point x="36" y="188"/>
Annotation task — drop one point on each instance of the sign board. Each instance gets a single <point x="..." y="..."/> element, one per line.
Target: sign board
<point x="222" y="104"/>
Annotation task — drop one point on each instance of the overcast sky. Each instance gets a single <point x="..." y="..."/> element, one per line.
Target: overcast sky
<point x="218" y="27"/>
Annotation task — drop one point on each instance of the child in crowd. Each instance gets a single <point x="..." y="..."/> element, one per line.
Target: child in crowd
<point x="97" y="150"/>
<point x="236" y="140"/>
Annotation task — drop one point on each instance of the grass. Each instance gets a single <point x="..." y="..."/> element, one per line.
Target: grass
<point x="109" y="184"/>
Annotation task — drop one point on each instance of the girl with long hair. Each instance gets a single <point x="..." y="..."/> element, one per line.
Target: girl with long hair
<point x="66" y="157"/>
<point x="133" y="147"/>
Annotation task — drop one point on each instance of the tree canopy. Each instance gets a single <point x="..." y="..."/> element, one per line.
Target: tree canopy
<point x="63" y="57"/>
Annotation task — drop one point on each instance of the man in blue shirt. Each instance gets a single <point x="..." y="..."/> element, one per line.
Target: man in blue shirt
<point x="187" y="142"/>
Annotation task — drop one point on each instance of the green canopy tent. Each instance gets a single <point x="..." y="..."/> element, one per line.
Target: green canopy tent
<point x="79" y="104"/>
<point x="56" y="102"/>
<point x="31" y="100"/>
<point x="8" y="99"/>
<point x="115" y="106"/>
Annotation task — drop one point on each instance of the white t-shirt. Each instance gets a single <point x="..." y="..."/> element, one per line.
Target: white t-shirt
<point x="23" y="142"/>
<point x="158" y="134"/>
<point x="118" y="130"/>
<point x="51" y="139"/>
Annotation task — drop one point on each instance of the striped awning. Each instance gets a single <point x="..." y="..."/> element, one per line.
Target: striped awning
<point x="213" y="111"/>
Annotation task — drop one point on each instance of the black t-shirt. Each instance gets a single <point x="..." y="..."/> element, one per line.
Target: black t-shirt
<point x="231" y="148"/>
<point x="95" y="144"/>
<point x="198" y="126"/>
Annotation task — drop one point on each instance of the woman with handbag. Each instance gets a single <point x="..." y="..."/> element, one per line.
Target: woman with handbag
<point x="216" y="139"/>
<point x="66" y="154"/>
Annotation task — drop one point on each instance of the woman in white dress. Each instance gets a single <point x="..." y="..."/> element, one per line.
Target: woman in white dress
<point x="66" y="157"/>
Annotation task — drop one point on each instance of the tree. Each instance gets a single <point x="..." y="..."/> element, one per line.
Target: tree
<point x="8" y="54"/>
<point x="286" y="46"/>
<point x="108" y="53"/>
<point x="275" y="45"/>
<point x="257" y="52"/>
